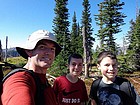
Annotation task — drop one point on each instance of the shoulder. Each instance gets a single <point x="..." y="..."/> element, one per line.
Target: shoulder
<point x="121" y="80"/>
<point x="18" y="85"/>
<point x="20" y="76"/>
<point x="60" y="79"/>
<point x="95" y="84"/>
<point x="81" y="81"/>
<point x="94" y="88"/>
<point x="97" y="81"/>
<point x="59" y="82"/>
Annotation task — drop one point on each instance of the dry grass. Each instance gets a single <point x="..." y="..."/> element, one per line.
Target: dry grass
<point x="136" y="82"/>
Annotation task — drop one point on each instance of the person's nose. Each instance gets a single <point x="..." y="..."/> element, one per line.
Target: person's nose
<point x="76" y="66"/>
<point x="110" y="67"/>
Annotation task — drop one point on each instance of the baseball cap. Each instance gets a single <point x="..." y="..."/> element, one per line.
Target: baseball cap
<point x="34" y="38"/>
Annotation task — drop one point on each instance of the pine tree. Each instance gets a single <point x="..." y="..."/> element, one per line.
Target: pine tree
<point x="87" y="32"/>
<point x="62" y="33"/>
<point x="80" y="39"/>
<point x="101" y="31"/>
<point x="76" y="37"/>
<point x="109" y="19"/>
<point x="129" y="54"/>
<point x="134" y="46"/>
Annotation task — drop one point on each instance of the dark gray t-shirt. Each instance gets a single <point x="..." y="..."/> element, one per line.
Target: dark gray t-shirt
<point x="121" y="92"/>
<point x="109" y="94"/>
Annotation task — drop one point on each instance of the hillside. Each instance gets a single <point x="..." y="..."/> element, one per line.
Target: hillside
<point x="11" y="52"/>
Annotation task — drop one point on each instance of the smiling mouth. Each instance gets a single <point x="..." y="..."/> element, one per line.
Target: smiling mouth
<point x="111" y="72"/>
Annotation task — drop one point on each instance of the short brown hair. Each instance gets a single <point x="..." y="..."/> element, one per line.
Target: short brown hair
<point x="77" y="56"/>
<point x="104" y="54"/>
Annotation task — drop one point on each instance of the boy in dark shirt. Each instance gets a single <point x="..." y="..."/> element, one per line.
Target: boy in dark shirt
<point x="110" y="90"/>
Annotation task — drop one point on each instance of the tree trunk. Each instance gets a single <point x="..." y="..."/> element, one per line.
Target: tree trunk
<point x="85" y="53"/>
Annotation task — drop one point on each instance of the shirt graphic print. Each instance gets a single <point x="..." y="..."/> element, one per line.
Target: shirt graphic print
<point x="109" y="96"/>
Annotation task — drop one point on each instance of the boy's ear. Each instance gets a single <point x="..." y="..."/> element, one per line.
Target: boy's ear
<point x="66" y="65"/>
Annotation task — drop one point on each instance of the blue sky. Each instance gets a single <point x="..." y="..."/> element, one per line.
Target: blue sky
<point x="19" y="18"/>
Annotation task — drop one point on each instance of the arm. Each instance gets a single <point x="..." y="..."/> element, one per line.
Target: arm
<point x="93" y="92"/>
<point x="137" y="99"/>
<point x="135" y="95"/>
<point x="93" y="102"/>
<point x="84" y="94"/>
<point x="19" y="89"/>
<point x="55" y="87"/>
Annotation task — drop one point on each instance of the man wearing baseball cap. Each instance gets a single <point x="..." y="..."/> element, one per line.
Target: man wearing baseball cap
<point x="20" y="88"/>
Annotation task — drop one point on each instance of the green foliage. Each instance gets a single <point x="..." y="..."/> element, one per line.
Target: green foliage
<point x="109" y="20"/>
<point x="87" y="35"/>
<point x="18" y="61"/>
<point x="76" y="38"/>
<point x="58" y="67"/>
<point x="94" y="56"/>
<point x="86" y="24"/>
<point x="6" y="71"/>
<point x="124" y="66"/>
<point x="61" y="31"/>
<point x="134" y="46"/>
<point x="12" y="63"/>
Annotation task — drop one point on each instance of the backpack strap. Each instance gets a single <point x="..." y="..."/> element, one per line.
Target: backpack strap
<point x="123" y="83"/>
<point x="126" y="87"/>
<point x="94" y="89"/>
<point x="39" y="97"/>
<point x="13" y="72"/>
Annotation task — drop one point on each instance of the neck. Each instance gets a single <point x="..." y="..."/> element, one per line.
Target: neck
<point x="36" y="69"/>
<point x="71" y="78"/>
<point x="108" y="81"/>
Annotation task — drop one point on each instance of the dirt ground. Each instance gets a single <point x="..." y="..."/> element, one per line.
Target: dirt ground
<point x="136" y="82"/>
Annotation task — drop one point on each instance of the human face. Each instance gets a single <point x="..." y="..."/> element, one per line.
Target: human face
<point x="108" y="68"/>
<point x="75" y="66"/>
<point x="43" y="55"/>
